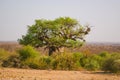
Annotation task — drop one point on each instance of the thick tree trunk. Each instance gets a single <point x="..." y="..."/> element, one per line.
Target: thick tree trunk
<point x="51" y="50"/>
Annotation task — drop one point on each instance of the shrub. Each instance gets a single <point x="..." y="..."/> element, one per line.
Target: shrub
<point x="4" y="55"/>
<point x="12" y="61"/>
<point x="42" y="62"/>
<point x="30" y="63"/>
<point x="76" y="58"/>
<point x="116" y="66"/>
<point x="61" y="61"/>
<point x="92" y="65"/>
<point x="92" y="62"/>
<point x="104" y="54"/>
<point x="28" y="52"/>
<point x="64" y="61"/>
<point x="25" y="57"/>
<point x="112" y="63"/>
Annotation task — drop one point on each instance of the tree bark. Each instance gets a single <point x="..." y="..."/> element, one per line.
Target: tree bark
<point x="51" y="50"/>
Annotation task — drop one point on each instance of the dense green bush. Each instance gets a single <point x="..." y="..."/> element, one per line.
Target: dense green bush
<point x="104" y="54"/>
<point x="30" y="63"/>
<point x="41" y="62"/>
<point x="28" y="52"/>
<point x="45" y="62"/>
<point x="62" y="62"/>
<point x="65" y="61"/>
<point x="112" y="63"/>
<point x="90" y="63"/>
<point x="12" y="61"/>
<point x="76" y="57"/>
<point x="4" y="55"/>
<point x="93" y="61"/>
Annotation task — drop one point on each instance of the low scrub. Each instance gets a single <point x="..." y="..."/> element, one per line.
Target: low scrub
<point x="28" y="57"/>
<point x="42" y="62"/>
<point x="28" y="52"/>
<point x="112" y="64"/>
<point x="12" y="61"/>
<point x="4" y="55"/>
<point x="64" y="61"/>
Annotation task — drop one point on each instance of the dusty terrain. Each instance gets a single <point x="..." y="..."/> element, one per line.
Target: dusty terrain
<point x="28" y="74"/>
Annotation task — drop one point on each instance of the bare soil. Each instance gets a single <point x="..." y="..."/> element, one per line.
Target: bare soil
<point x="31" y="74"/>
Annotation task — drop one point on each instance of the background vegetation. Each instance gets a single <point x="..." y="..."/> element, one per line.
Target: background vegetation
<point x="29" y="57"/>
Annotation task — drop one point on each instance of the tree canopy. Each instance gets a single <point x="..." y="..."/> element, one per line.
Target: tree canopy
<point x="54" y="34"/>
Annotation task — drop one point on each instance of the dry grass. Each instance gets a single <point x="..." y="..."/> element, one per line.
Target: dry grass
<point x="10" y="46"/>
<point x="26" y="74"/>
<point x="87" y="48"/>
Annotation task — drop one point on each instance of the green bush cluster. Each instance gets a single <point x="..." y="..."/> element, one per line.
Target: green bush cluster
<point x="28" y="57"/>
<point x="28" y="52"/>
<point x="42" y="62"/>
<point x="93" y="61"/>
<point x="12" y="61"/>
<point x="112" y="63"/>
<point x="64" y="61"/>
<point x="4" y="55"/>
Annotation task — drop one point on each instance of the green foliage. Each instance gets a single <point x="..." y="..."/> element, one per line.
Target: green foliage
<point x="28" y="52"/>
<point x="54" y="34"/>
<point x="76" y="57"/>
<point x="105" y="54"/>
<point x="63" y="62"/>
<point x="12" y="61"/>
<point x="112" y="63"/>
<point x="42" y="62"/>
<point x="4" y="55"/>
<point x="66" y="61"/>
<point x="28" y="57"/>
<point x="92" y="62"/>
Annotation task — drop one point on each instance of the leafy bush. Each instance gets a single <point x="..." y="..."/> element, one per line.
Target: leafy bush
<point x="76" y="57"/>
<point x="30" y="63"/>
<point x="44" y="62"/>
<point x="28" y="57"/>
<point x="12" y="61"/>
<point x="66" y="61"/>
<point x="104" y="54"/>
<point x="41" y="62"/>
<point x="4" y="55"/>
<point x="92" y="65"/>
<point x="112" y="63"/>
<point x="28" y="52"/>
<point x="92" y="62"/>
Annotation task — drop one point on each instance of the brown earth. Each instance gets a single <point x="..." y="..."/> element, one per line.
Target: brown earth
<point x="28" y="74"/>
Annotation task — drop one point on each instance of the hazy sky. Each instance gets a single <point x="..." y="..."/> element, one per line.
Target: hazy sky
<point x="104" y="15"/>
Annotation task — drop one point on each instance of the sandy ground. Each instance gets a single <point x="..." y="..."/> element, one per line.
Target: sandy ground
<point x="27" y="74"/>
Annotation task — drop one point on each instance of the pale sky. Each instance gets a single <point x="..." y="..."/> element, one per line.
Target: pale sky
<point x="104" y="15"/>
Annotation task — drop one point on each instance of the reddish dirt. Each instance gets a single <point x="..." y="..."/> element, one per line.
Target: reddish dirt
<point x="28" y="74"/>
